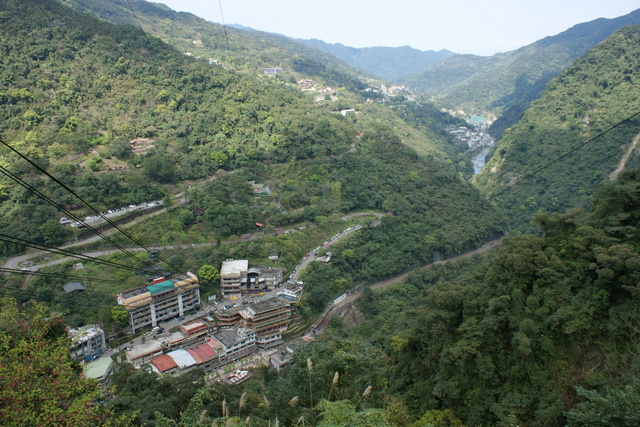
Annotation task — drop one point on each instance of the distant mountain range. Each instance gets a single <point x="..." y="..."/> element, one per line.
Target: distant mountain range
<point x="394" y="64"/>
<point x="506" y="83"/>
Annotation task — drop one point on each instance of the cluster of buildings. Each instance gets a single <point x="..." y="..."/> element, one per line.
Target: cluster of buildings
<point x="475" y="138"/>
<point x="230" y="332"/>
<point x="233" y="330"/>
<point x="215" y="352"/>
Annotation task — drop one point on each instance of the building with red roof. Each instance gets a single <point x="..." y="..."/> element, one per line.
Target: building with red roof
<point x="163" y="364"/>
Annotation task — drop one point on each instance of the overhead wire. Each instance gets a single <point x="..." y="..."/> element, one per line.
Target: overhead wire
<point x="59" y="251"/>
<point x="153" y="254"/>
<point x="137" y="20"/>
<point x="32" y="295"/>
<point x="527" y="176"/>
<point x="63" y="276"/>
<point x="51" y="202"/>
<point x="77" y="52"/>
<point x="87" y="204"/>
<point x="224" y="27"/>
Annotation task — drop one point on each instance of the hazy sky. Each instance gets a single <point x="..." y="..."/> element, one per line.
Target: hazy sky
<point x="482" y="27"/>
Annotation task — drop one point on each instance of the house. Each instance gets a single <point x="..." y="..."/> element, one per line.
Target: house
<point x="235" y="344"/>
<point x="87" y="342"/>
<point x="164" y="298"/>
<point x="141" y="354"/>
<point x="260" y="189"/>
<point x="348" y="111"/>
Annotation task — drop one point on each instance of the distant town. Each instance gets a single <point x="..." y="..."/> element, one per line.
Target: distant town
<point x="475" y="138"/>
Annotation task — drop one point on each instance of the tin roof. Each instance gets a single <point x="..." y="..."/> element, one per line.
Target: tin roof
<point x="182" y="358"/>
<point x="202" y="353"/>
<point x="163" y="363"/>
<point x="159" y="287"/>
<point x="73" y="286"/>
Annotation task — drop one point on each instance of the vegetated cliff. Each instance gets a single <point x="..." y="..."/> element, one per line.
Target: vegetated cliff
<point x="597" y="92"/>
<point x="542" y="334"/>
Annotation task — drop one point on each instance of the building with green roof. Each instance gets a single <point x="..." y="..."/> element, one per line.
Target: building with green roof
<point x="161" y="300"/>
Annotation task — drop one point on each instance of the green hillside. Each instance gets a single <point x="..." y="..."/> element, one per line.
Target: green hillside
<point x="508" y="82"/>
<point x="543" y="334"/>
<point x="597" y="92"/>
<point x="76" y="90"/>
<point x="245" y="52"/>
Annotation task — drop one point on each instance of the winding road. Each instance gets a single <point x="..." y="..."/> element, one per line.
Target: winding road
<point x="354" y="293"/>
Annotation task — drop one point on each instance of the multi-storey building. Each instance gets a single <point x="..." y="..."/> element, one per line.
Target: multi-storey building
<point x="237" y="279"/>
<point x="163" y="299"/>
<point x="87" y="342"/>
<point x="267" y="318"/>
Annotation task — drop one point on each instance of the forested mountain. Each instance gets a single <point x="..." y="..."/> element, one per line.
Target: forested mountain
<point x="394" y="64"/>
<point x="543" y="334"/>
<point x="597" y="92"/>
<point x="75" y="91"/>
<point x="506" y="83"/>
<point x="503" y="340"/>
<point x="246" y="52"/>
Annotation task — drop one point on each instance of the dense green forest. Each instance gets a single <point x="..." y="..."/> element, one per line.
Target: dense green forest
<point x="596" y="93"/>
<point x="69" y="107"/>
<point x="543" y="334"/>
<point x="75" y="92"/>
<point x="246" y="52"/>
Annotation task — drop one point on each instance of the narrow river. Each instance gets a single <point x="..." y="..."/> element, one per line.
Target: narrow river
<point x="478" y="159"/>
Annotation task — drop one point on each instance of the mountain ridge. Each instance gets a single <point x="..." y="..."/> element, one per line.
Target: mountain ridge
<point x="508" y="82"/>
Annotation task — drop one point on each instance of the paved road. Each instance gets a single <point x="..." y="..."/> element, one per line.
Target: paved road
<point x="25" y="261"/>
<point x="353" y="294"/>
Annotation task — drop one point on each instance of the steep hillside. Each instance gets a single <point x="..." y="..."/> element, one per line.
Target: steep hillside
<point x="597" y="92"/>
<point x="246" y="52"/>
<point x="75" y="91"/>
<point x="394" y="64"/>
<point x="513" y="79"/>
<point x="544" y="334"/>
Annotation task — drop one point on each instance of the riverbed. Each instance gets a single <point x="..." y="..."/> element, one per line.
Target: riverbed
<point x="477" y="158"/>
